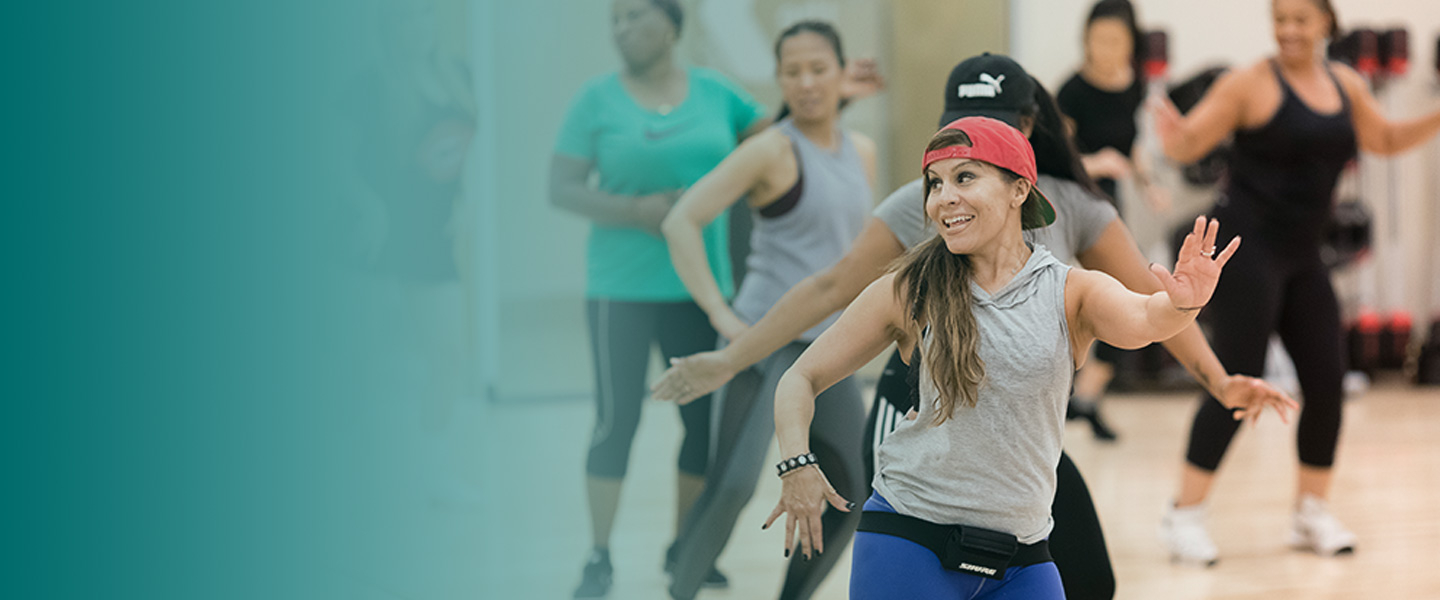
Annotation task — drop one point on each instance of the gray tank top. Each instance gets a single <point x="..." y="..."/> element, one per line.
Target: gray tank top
<point x="993" y="465"/>
<point x="813" y="230"/>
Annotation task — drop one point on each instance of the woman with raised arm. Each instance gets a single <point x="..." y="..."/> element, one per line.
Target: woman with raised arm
<point x="1296" y="119"/>
<point x="961" y="507"/>
<point x="1086" y="230"/>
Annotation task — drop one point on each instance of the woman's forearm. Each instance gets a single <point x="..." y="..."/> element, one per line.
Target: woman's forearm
<point x="1404" y="135"/>
<point x="1130" y="320"/>
<point x="1190" y="348"/>
<point x="1183" y="148"/>
<point x="804" y="306"/>
<point x="817" y="296"/>
<point x="1163" y="319"/>
<point x="794" y="409"/>
<point x="687" y="252"/>
<point x="603" y="208"/>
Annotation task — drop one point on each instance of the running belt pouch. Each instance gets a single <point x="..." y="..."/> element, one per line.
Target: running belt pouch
<point x="972" y="550"/>
<point x="962" y="549"/>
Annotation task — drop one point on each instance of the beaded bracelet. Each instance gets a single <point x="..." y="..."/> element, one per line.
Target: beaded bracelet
<point x="795" y="462"/>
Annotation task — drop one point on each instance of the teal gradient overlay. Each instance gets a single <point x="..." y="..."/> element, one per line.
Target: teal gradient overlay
<point x="531" y="60"/>
<point x="201" y="403"/>
<point x="212" y="391"/>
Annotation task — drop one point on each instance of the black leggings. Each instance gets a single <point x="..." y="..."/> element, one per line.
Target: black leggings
<point x="1076" y="543"/>
<point x="621" y="334"/>
<point x="1282" y="288"/>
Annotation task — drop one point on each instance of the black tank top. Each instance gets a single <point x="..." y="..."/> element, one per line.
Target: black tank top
<point x="1283" y="173"/>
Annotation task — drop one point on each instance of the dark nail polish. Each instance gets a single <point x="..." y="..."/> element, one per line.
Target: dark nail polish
<point x="787" y="553"/>
<point x="849" y="505"/>
<point x="807" y="557"/>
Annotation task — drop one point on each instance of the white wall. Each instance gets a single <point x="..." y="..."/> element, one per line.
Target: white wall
<point x="1045" y="34"/>
<point x="1403" y="273"/>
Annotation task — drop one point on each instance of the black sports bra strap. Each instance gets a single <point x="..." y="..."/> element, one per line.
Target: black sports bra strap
<point x="1344" y="98"/>
<point x="787" y="201"/>
<point x="1284" y="85"/>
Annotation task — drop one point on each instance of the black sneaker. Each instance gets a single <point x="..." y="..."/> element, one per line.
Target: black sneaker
<point x="1089" y="411"/>
<point x="597" y="576"/>
<point x="1103" y="432"/>
<point x="714" y="580"/>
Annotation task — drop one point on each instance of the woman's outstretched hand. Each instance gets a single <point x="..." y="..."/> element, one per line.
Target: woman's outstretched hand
<point x="862" y="79"/>
<point x="804" y="493"/>
<point x="1197" y="268"/>
<point x="1247" y="397"/>
<point x="693" y="376"/>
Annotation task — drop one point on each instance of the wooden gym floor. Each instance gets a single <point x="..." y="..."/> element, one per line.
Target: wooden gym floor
<point x="1387" y="489"/>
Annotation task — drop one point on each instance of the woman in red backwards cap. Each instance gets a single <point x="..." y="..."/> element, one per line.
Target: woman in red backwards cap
<point x="1000" y="324"/>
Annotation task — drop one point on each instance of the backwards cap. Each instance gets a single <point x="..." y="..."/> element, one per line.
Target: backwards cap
<point x="999" y="144"/>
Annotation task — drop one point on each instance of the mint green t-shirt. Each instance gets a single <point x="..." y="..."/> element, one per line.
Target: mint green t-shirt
<point x="637" y="152"/>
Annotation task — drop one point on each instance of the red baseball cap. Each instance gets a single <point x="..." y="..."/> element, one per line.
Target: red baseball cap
<point x="999" y="144"/>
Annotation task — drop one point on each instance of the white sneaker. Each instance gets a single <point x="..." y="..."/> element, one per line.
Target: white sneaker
<point x="1315" y="529"/>
<point x="1182" y="530"/>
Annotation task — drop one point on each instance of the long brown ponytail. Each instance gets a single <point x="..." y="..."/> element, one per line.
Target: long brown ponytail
<point x="935" y="285"/>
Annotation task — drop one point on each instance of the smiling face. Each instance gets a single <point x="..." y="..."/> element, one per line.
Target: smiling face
<point x="972" y="203"/>
<point x="810" y="75"/>
<point x="1301" y="28"/>
<point x="1108" y="43"/>
<point x="642" y="32"/>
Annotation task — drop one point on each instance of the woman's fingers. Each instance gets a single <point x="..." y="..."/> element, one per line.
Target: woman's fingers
<point x="804" y="531"/>
<point x="775" y="514"/>
<point x="817" y="535"/>
<point x="1288" y="405"/>
<point x="1191" y="244"/>
<point x="803" y="506"/>
<point x="1212" y="230"/>
<point x="1250" y="397"/>
<point x="1228" y="252"/>
<point x="1268" y="395"/>
<point x="1167" y="282"/>
<point x="791" y="521"/>
<point x="668" y="387"/>
<point x="1282" y="406"/>
<point x="674" y="384"/>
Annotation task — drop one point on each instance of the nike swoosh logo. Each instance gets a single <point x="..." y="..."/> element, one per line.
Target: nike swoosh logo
<point x="656" y="135"/>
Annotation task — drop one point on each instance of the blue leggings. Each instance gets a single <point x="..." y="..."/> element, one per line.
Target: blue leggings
<point x="885" y="566"/>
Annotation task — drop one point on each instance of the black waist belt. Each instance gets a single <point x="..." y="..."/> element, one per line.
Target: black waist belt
<point x="972" y="550"/>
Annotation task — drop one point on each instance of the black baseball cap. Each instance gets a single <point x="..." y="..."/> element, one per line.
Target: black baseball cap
<point x="988" y="85"/>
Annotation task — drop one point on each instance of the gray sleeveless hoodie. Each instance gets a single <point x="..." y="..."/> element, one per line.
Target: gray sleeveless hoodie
<point x="993" y="465"/>
<point x="814" y="230"/>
